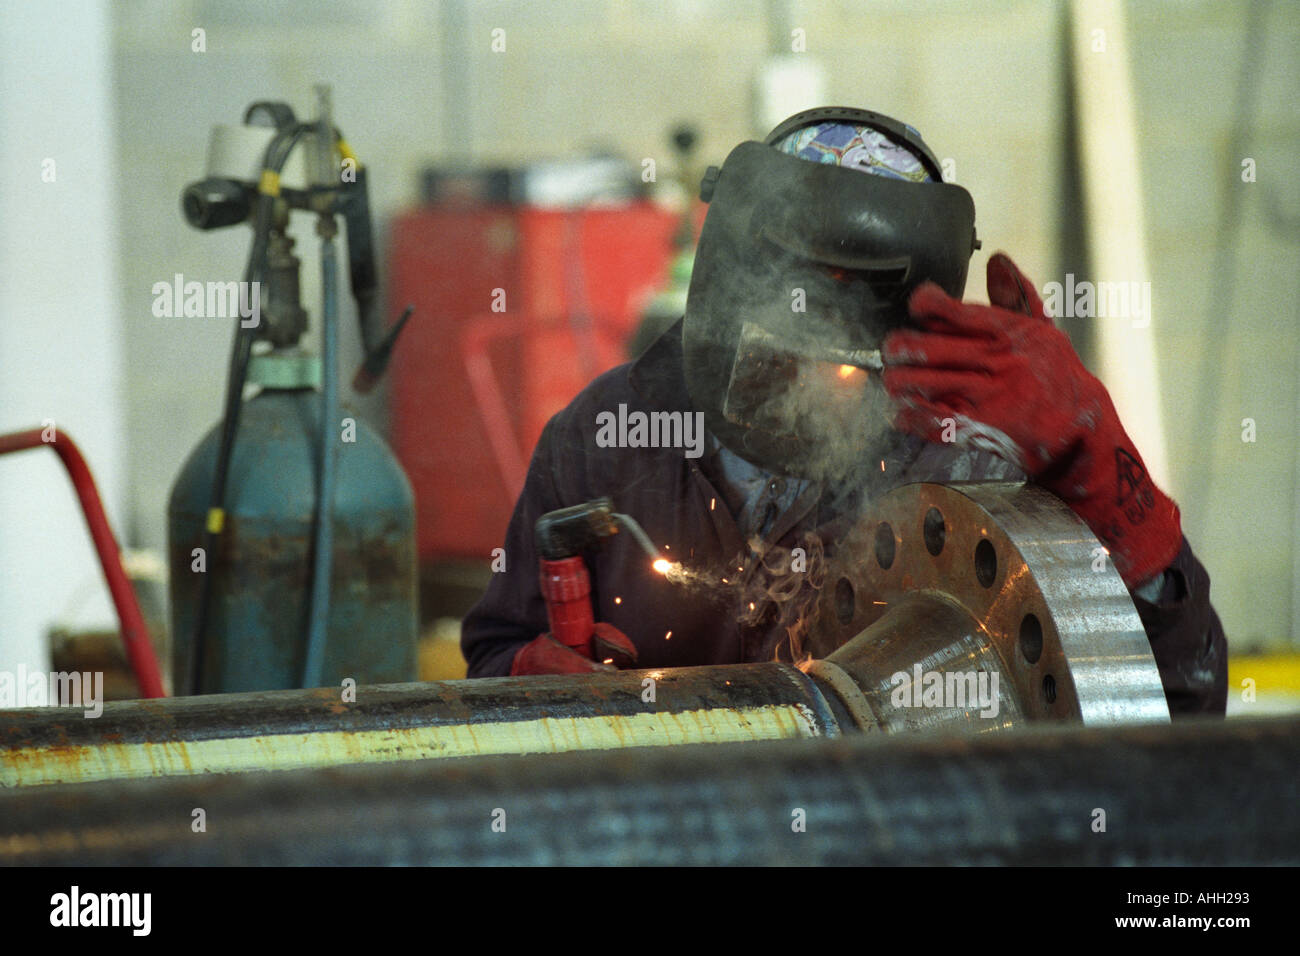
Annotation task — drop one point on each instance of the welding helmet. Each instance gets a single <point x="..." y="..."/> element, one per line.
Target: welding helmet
<point x="802" y="269"/>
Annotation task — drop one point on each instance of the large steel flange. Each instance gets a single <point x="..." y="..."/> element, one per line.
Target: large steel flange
<point x="980" y="604"/>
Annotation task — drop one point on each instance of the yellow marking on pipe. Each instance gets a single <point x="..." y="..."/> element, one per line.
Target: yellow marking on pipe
<point x="216" y="520"/>
<point x="345" y="151"/>
<point x="270" y="183"/>
<point x="111" y="761"/>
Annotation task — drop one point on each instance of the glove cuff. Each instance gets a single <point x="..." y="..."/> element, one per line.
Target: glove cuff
<point x="1138" y="523"/>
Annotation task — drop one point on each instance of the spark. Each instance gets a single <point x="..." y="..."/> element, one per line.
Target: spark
<point x="668" y="636"/>
<point x="882" y="464"/>
<point x="751" y="605"/>
<point x="609" y="660"/>
<point x="846" y="371"/>
<point x="879" y="602"/>
<point x="662" y="565"/>
<point x="618" y="600"/>
<point x="712" y="503"/>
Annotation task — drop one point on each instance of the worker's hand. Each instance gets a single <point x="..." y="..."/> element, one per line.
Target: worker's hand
<point x="612" y="649"/>
<point x="1002" y="378"/>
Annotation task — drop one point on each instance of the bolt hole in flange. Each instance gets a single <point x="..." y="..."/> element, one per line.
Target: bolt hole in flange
<point x="1049" y="689"/>
<point x="884" y="545"/>
<point x="1031" y="642"/>
<point x="933" y="531"/>
<point x="844" y="601"/>
<point x="986" y="563"/>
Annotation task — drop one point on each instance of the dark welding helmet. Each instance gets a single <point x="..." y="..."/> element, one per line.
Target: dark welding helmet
<point x="802" y="268"/>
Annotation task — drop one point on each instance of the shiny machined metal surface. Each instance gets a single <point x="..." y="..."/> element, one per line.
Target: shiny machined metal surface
<point x="1199" y="792"/>
<point x="987" y="578"/>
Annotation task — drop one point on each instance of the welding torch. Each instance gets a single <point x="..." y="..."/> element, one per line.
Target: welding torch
<point x="562" y="537"/>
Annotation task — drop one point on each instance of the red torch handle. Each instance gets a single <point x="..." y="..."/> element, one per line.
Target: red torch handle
<point x="566" y="586"/>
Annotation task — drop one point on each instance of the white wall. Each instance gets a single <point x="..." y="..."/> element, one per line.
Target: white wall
<point x="60" y="324"/>
<point x="1229" y="343"/>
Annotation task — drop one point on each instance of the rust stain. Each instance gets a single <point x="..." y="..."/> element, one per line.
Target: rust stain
<point x="116" y="760"/>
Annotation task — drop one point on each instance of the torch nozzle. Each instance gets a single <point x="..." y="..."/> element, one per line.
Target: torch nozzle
<point x="628" y="522"/>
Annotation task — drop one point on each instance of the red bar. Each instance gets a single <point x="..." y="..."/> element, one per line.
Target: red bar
<point x="139" y="649"/>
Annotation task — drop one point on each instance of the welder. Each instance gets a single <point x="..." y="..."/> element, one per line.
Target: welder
<point x="828" y="351"/>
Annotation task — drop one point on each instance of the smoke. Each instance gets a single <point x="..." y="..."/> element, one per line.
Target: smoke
<point x="786" y="588"/>
<point x="775" y="358"/>
<point x="773" y="587"/>
<point x="836" y="418"/>
<point x="694" y="579"/>
<point x="774" y="354"/>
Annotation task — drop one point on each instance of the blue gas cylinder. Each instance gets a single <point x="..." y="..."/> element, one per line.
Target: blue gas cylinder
<point x="259" y="605"/>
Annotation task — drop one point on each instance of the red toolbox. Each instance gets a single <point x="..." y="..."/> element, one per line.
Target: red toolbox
<point x="472" y="387"/>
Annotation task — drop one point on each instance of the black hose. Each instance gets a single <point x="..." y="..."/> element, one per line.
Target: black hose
<point x="326" y="470"/>
<point x="277" y="154"/>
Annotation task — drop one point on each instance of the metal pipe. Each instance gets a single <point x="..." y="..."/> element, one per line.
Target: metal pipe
<point x="323" y="543"/>
<point x="476" y="336"/>
<point x="323" y="539"/>
<point x="633" y="528"/>
<point x="1202" y="792"/>
<point x="135" y="635"/>
<point x="279" y="730"/>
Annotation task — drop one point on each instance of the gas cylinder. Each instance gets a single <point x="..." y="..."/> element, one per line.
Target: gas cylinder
<point x="259" y="606"/>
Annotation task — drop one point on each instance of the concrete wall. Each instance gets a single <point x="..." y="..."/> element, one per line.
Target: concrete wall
<point x="1227" y="322"/>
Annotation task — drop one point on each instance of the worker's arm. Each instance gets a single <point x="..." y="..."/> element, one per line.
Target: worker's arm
<point x="1186" y="636"/>
<point x="1013" y="385"/>
<point x="506" y="632"/>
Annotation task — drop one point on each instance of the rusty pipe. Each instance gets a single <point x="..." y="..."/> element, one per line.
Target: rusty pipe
<point x="292" y="729"/>
<point x="1199" y="792"/>
<point x="854" y="690"/>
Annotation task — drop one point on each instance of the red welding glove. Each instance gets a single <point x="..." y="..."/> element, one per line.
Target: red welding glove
<point x="1013" y="385"/>
<point x="612" y="649"/>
